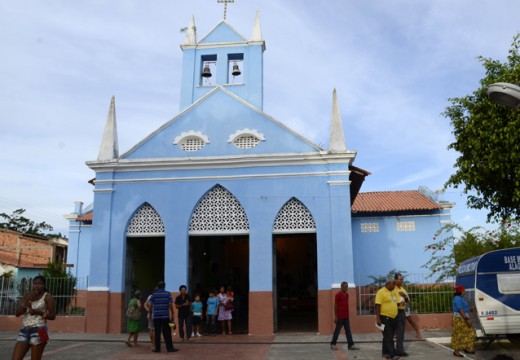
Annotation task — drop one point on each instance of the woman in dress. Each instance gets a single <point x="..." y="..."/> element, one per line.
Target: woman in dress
<point x="225" y="309"/>
<point x="463" y="336"/>
<point x="36" y="307"/>
<point x="134" y="326"/>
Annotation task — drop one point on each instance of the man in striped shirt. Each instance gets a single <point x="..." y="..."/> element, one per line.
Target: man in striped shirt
<point x="162" y="309"/>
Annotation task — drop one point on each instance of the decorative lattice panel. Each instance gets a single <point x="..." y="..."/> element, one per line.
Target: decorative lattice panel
<point x="294" y="217"/>
<point x="246" y="142"/>
<point x="406" y="226"/>
<point x="219" y="212"/>
<point x="370" y="227"/>
<point x="146" y="222"/>
<point x="192" y="143"/>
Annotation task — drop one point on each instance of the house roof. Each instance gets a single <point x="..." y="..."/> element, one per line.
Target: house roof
<point x="85" y="217"/>
<point x="393" y="201"/>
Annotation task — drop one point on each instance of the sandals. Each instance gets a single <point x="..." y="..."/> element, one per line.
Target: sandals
<point x="469" y="351"/>
<point x="128" y="343"/>
<point x="457" y="355"/>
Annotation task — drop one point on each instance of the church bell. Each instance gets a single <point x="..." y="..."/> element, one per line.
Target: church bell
<point x="206" y="72"/>
<point x="236" y="70"/>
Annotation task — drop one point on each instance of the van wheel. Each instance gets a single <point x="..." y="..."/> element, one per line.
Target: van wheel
<point x="514" y="338"/>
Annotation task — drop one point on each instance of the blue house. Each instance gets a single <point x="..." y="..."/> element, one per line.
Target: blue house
<point x="224" y="194"/>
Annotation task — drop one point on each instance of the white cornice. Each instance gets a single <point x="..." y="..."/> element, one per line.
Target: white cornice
<point x="221" y="178"/>
<point x="220" y="162"/>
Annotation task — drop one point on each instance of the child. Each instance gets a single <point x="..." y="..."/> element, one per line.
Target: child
<point x="211" y="313"/>
<point x="196" y="309"/>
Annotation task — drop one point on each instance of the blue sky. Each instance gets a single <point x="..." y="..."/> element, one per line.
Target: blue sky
<point x="394" y="65"/>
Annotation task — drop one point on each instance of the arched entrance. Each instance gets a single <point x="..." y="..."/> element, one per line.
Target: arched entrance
<point x="144" y="265"/>
<point x="219" y="251"/>
<point x="295" y="269"/>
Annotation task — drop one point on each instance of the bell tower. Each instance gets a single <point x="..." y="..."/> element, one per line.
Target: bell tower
<point x="223" y="58"/>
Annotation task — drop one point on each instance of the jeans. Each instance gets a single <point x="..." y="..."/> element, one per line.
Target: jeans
<point x="346" y="324"/>
<point x="163" y="325"/>
<point x="388" y="335"/>
<point x="399" y="331"/>
<point x="184" y="320"/>
<point x="211" y="324"/>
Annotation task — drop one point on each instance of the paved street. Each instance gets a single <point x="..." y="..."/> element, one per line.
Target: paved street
<point x="66" y="346"/>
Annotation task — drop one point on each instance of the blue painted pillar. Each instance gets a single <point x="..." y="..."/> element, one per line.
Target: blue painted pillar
<point x="341" y="232"/>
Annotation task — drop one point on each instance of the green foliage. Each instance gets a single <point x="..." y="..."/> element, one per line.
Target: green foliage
<point x="61" y="284"/>
<point x="488" y="141"/>
<point x="431" y="299"/>
<point x="380" y="280"/>
<point x="17" y="222"/>
<point x="460" y="245"/>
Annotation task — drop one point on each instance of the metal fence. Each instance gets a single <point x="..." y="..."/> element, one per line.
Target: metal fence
<point x="426" y="295"/>
<point x="67" y="299"/>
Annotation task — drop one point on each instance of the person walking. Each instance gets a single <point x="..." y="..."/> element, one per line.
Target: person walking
<point x="463" y="335"/>
<point x="183" y="305"/>
<point x="133" y="318"/>
<point x="386" y="313"/>
<point x="37" y="307"/>
<point x="403" y="299"/>
<point x="341" y="317"/>
<point x="149" y="317"/>
<point x="161" y="303"/>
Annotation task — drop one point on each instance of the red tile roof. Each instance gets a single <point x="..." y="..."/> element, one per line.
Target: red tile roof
<point x="85" y="217"/>
<point x="392" y="201"/>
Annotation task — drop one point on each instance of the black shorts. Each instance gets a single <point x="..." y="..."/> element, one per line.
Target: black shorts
<point x="195" y="319"/>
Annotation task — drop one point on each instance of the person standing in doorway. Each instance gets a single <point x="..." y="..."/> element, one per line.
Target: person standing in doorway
<point x="183" y="305"/>
<point x="162" y="309"/>
<point x="196" y="309"/>
<point x="386" y="314"/>
<point x="211" y="313"/>
<point x="225" y="309"/>
<point x="341" y="317"/>
<point x="403" y="299"/>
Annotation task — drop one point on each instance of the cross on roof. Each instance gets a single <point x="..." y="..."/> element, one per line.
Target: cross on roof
<point x="225" y="2"/>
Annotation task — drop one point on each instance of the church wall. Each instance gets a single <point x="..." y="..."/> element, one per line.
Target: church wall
<point x="262" y="198"/>
<point x="78" y="252"/>
<point x="377" y="253"/>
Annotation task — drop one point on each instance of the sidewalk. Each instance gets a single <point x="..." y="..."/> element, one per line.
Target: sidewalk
<point x="292" y="338"/>
<point x="304" y="346"/>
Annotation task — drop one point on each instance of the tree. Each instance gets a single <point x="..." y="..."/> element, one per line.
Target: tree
<point x="61" y="284"/>
<point x="17" y="222"/>
<point x="487" y="137"/>
<point x="476" y="241"/>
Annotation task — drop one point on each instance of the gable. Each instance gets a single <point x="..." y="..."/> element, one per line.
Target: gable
<point x="222" y="33"/>
<point x="220" y="124"/>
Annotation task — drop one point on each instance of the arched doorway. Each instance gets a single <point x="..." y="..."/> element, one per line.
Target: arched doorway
<point x="144" y="265"/>
<point x="219" y="250"/>
<point x="295" y="269"/>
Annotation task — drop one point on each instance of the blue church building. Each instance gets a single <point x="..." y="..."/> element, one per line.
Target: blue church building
<point x="224" y="194"/>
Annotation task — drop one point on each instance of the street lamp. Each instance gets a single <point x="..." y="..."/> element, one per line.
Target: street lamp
<point x="505" y="94"/>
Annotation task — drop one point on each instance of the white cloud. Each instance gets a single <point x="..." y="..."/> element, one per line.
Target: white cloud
<point x="393" y="64"/>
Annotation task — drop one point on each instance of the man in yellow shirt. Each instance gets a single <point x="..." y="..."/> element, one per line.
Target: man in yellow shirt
<point x="402" y="296"/>
<point x="386" y="314"/>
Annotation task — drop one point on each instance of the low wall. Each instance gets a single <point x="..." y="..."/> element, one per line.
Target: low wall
<point x="70" y="324"/>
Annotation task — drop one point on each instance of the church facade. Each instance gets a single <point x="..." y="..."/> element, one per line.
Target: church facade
<point x="225" y="195"/>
